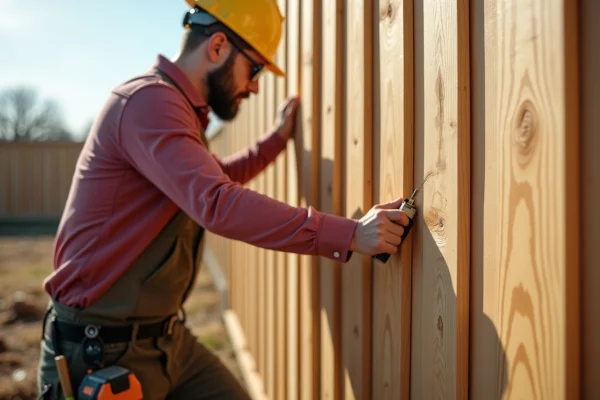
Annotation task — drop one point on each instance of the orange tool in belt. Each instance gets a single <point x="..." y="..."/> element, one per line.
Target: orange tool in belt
<point x="111" y="383"/>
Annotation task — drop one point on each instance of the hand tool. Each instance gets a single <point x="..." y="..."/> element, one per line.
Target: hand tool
<point x="110" y="383"/>
<point x="63" y="376"/>
<point x="410" y="210"/>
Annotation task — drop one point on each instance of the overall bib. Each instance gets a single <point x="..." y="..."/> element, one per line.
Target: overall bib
<point x="153" y="341"/>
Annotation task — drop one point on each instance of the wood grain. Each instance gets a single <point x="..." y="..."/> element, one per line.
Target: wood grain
<point x="572" y="176"/>
<point x="393" y="179"/>
<point x="270" y="279"/>
<point x="293" y="38"/>
<point x="309" y="195"/>
<point x="259" y="110"/>
<point x="590" y="191"/>
<point x="525" y="228"/>
<point x="281" y="293"/>
<point x="442" y="254"/>
<point x="356" y="274"/>
<point x="331" y="193"/>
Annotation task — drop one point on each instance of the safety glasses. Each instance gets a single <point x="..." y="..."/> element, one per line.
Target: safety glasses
<point x="257" y="68"/>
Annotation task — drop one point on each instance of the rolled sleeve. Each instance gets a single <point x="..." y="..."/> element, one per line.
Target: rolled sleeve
<point x="335" y="236"/>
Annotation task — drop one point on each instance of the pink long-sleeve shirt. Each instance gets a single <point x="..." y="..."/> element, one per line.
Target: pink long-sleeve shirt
<point x="142" y="162"/>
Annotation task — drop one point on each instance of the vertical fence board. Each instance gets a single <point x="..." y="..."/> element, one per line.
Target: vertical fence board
<point x="393" y="178"/>
<point x="259" y="101"/>
<point x="590" y="192"/>
<point x="269" y="305"/>
<point x="525" y="214"/>
<point x="282" y="294"/>
<point x="330" y="192"/>
<point x="252" y="257"/>
<point x="356" y="274"/>
<point x="488" y="364"/>
<point x="294" y="40"/>
<point x="569" y="66"/>
<point x="442" y="255"/>
<point x="309" y="196"/>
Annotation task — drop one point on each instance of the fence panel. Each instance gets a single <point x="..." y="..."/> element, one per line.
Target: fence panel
<point x="35" y="178"/>
<point x="483" y="300"/>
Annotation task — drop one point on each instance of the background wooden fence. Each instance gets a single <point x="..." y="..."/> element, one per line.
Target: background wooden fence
<point x="35" y="178"/>
<point x="493" y="294"/>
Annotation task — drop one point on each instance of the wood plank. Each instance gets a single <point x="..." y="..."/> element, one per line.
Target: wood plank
<point x="356" y="274"/>
<point x="488" y="360"/>
<point x="252" y="380"/>
<point x="526" y="229"/>
<point x="590" y="192"/>
<point x="270" y="299"/>
<point x="570" y="65"/>
<point x="331" y="193"/>
<point x="439" y="353"/>
<point x="309" y="195"/>
<point x="260" y="288"/>
<point x="393" y="178"/>
<point x="281" y="295"/>
<point x="294" y="77"/>
<point x="252" y="251"/>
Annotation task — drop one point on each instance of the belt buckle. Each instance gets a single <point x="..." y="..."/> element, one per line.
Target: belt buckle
<point x="172" y="320"/>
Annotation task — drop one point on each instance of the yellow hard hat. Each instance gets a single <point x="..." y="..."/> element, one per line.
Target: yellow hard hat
<point x="257" y="22"/>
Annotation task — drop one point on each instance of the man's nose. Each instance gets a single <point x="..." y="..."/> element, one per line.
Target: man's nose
<point x="253" y="87"/>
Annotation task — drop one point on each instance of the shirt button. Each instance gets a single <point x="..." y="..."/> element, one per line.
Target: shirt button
<point x="336" y="254"/>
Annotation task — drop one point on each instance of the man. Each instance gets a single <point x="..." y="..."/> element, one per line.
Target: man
<point x="145" y="188"/>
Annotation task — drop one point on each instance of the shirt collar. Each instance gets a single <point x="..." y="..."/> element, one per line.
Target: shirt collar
<point x="181" y="80"/>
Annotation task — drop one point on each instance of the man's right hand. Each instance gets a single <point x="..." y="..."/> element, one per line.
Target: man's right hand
<point x="380" y="230"/>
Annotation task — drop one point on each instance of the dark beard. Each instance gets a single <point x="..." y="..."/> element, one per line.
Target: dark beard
<point x="221" y="95"/>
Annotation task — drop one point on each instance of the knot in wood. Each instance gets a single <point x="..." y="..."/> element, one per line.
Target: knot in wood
<point x="440" y="324"/>
<point x="356" y="331"/>
<point x="388" y="10"/>
<point x="435" y="221"/>
<point x="526" y="130"/>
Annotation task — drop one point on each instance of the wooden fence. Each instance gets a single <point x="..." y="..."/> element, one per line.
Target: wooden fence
<point x="494" y="291"/>
<point x="35" y="178"/>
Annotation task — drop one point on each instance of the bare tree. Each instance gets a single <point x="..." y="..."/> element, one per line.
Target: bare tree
<point x="25" y="116"/>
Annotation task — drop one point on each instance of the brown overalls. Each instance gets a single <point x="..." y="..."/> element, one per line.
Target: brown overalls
<point x="172" y="365"/>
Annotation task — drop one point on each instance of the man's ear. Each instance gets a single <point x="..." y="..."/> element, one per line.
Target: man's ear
<point x="218" y="48"/>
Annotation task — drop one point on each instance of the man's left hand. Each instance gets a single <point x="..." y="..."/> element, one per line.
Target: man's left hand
<point x="286" y="117"/>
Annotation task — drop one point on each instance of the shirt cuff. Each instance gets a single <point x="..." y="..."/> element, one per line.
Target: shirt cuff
<point x="272" y="145"/>
<point x="334" y="237"/>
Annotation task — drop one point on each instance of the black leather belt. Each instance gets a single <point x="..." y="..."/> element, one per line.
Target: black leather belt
<point x="72" y="332"/>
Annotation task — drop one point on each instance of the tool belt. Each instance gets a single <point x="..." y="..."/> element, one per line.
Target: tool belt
<point x="92" y="337"/>
<point x="109" y="334"/>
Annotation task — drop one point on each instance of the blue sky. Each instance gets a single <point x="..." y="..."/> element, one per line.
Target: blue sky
<point x="75" y="51"/>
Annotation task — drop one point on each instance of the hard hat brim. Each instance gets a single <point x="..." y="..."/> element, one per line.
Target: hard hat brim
<point x="274" y="68"/>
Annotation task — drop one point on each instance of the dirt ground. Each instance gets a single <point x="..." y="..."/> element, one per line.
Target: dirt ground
<point x="24" y="263"/>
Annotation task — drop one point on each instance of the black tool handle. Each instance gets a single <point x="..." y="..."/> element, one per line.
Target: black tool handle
<point x="410" y="213"/>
